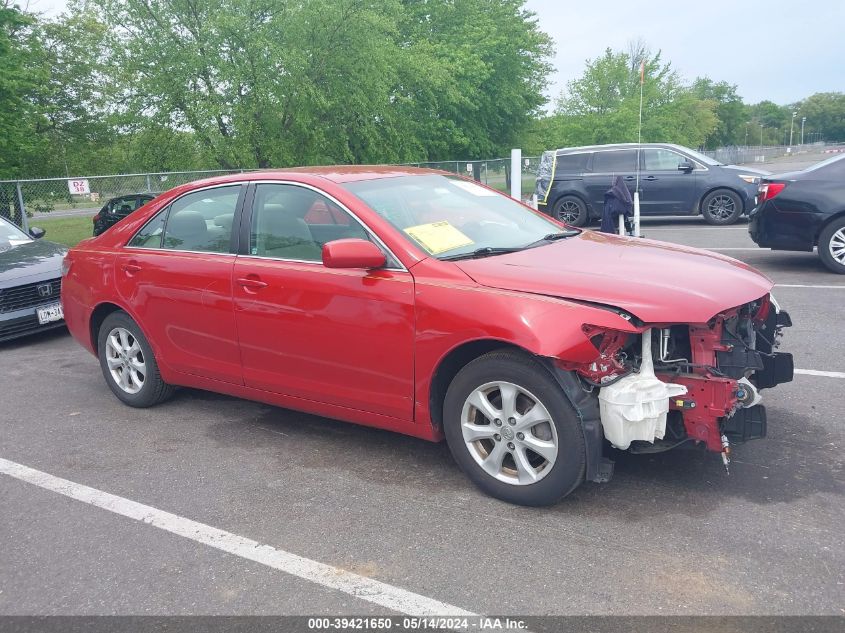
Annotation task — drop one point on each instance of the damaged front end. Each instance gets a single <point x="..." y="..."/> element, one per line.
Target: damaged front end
<point x="672" y="385"/>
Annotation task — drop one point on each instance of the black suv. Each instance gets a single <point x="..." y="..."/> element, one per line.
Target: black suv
<point x="674" y="180"/>
<point x="118" y="208"/>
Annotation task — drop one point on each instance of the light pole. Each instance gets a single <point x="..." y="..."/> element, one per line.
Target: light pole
<point x="746" y="134"/>
<point x="761" y="135"/>
<point x="803" y="120"/>
<point x="791" y="124"/>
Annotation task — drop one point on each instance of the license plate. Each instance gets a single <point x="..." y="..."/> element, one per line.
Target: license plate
<point x="50" y="313"/>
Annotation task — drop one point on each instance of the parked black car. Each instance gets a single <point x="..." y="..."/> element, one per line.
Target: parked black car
<point x="30" y="282"/>
<point x="803" y="209"/>
<point x="674" y="180"/>
<point x="118" y="208"/>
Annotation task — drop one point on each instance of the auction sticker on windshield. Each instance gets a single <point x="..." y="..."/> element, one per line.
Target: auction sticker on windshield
<point x="438" y="237"/>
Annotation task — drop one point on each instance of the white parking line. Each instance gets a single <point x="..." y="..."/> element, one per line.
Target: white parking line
<point x="825" y="374"/>
<point x="379" y="593"/>
<point x="695" y="227"/>
<point x="842" y="287"/>
<point x="727" y="248"/>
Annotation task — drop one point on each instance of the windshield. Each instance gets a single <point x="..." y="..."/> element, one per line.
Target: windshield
<point x="449" y="217"/>
<point x="700" y="157"/>
<point x="10" y="235"/>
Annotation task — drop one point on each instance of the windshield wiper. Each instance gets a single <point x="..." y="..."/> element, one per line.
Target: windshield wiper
<point x="485" y="251"/>
<point x="552" y="237"/>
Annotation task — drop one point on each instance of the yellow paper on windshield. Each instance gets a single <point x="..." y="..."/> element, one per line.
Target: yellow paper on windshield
<point x="438" y="237"/>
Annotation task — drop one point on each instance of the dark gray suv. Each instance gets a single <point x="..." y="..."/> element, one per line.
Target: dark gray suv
<point x="674" y="180"/>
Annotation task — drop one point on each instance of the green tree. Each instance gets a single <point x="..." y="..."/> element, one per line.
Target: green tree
<point x="728" y="108"/>
<point x="602" y="106"/>
<point x="825" y="112"/>
<point x="22" y="76"/>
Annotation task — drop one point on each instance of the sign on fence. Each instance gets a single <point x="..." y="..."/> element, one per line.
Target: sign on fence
<point x="78" y="187"/>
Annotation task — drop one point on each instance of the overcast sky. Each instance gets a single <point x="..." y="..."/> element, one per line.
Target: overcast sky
<point x="771" y="49"/>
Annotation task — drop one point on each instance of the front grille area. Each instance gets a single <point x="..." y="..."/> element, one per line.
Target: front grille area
<point x="30" y="295"/>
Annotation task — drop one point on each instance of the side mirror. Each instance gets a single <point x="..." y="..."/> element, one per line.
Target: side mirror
<point x="352" y="253"/>
<point x="686" y="166"/>
<point x="37" y="233"/>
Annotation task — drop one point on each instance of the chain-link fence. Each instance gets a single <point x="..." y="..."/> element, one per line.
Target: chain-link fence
<point x="22" y="198"/>
<point x="745" y="155"/>
<point x="495" y="172"/>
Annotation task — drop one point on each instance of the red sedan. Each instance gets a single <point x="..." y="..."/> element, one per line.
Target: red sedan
<point x="427" y="304"/>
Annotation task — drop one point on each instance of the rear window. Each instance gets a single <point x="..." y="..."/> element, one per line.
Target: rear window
<point x="615" y="161"/>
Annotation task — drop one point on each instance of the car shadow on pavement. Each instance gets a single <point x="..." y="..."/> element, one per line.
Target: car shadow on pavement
<point x="793" y="463"/>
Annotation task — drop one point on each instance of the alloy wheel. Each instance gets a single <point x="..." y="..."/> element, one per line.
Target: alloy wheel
<point x="509" y="433"/>
<point x="569" y="211"/>
<point x="721" y="207"/>
<point x="125" y="360"/>
<point x="836" y="246"/>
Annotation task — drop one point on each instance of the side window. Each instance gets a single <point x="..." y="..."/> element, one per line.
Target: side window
<point x="202" y="221"/>
<point x="661" y="160"/>
<point x="150" y="235"/>
<point x="615" y="161"/>
<point x="292" y="222"/>
<point x="571" y="163"/>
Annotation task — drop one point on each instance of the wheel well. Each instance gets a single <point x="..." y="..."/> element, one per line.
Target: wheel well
<point x="826" y="223"/>
<point x="449" y="367"/>
<point x="709" y="191"/>
<point x="97" y="317"/>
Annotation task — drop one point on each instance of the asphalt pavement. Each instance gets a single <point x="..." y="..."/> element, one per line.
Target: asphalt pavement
<point x="670" y="534"/>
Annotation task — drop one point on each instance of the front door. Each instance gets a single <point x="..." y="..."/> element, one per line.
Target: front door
<point x="666" y="190"/>
<point x="338" y="336"/>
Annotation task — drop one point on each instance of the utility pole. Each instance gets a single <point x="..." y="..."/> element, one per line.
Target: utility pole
<point x="761" y="135"/>
<point x="803" y="120"/>
<point x="791" y="125"/>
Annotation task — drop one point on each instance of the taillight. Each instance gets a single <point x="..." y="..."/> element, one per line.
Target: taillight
<point x="769" y="190"/>
<point x="95" y="218"/>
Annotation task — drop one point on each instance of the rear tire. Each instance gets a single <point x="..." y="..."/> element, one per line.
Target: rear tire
<point x="128" y="363"/>
<point x="571" y="210"/>
<point x="512" y="430"/>
<point x="832" y="246"/>
<point x="721" y="207"/>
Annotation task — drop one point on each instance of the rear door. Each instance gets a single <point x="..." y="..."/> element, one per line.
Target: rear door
<point x="176" y="273"/>
<point x="664" y="189"/>
<point x="606" y="165"/>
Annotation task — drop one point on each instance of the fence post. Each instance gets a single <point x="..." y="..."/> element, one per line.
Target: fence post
<point x="24" y="220"/>
<point x="149" y="185"/>
<point x="516" y="174"/>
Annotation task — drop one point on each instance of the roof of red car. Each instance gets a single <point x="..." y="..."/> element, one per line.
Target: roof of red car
<point x="340" y="173"/>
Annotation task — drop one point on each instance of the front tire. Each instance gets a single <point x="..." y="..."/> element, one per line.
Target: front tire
<point x="128" y="363"/>
<point x="512" y="430"/>
<point x="832" y="246"/>
<point x="571" y="210"/>
<point x="721" y="207"/>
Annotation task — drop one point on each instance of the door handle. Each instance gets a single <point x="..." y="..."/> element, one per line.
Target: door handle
<point x="252" y="283"/>
<point x="651" y="178"/>
<point x="131" y="267"/>
<point x="630" y="178"/>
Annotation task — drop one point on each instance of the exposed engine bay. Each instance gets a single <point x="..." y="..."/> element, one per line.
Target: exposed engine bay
<point x="698" y="384"/>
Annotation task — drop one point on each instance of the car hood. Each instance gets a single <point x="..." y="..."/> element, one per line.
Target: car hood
<point x="741" y="169"/>
<point x="38" y="259"/>
<point x="655" y="281"/>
